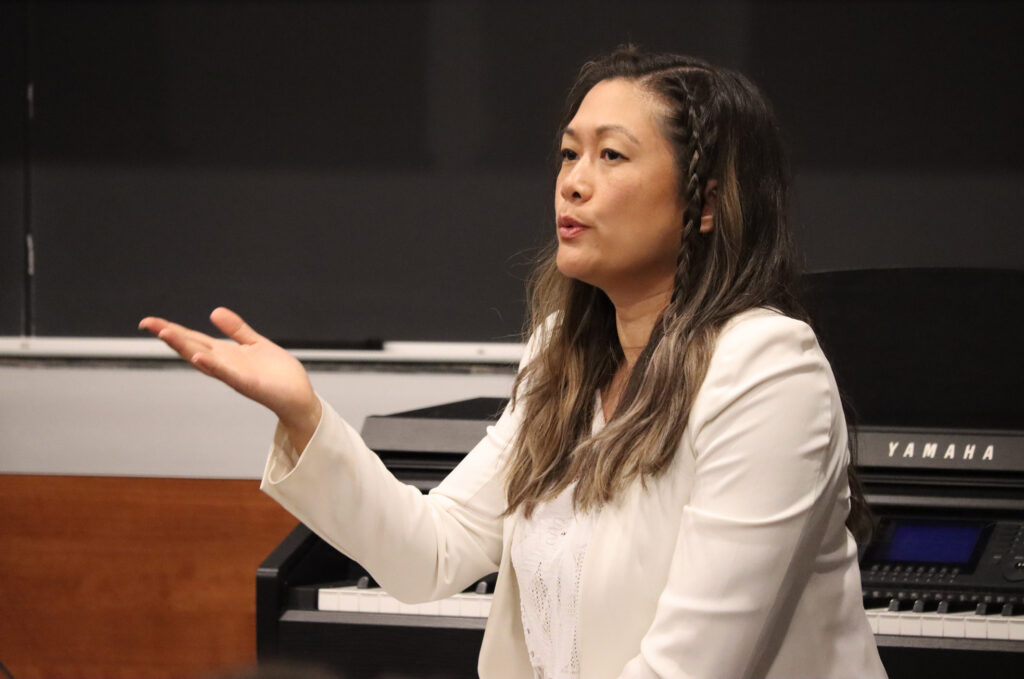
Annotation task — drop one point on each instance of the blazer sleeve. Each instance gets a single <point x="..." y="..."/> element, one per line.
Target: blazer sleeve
<point x="769" y="462"/>
<point x="418" y="547"/>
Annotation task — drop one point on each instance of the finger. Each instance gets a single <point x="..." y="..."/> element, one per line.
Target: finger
<point x="232" y="325"/>
<point x="152" y="324"/>
<point x="209" y="364"/>
<point x="185" y="341"/>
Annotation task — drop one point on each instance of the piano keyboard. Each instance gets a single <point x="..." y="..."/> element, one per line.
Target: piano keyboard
<point x="362" y="598"/>
<point x="977" y="621"/>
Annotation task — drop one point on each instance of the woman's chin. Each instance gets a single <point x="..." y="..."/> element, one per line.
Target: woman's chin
<point x="571" y="267"/>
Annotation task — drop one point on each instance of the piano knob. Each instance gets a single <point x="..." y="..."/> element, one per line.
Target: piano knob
<point x="1013" y="568"/>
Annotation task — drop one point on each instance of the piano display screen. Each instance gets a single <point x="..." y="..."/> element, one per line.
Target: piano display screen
<point x="932" y="543"/>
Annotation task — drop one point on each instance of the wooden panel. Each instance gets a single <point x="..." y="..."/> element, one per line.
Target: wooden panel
<point x="131" y="577"/>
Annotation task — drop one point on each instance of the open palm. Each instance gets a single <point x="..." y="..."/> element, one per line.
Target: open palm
<point x="249" y="363"/>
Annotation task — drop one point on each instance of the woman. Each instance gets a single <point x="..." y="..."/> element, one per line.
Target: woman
<point x="667" y="493"/>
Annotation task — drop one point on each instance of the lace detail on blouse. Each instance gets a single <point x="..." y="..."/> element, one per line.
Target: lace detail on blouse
<point x="547" y="554"/>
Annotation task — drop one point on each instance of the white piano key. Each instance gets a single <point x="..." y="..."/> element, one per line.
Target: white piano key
<point x="327" y="600"/>
<point x="910" y="624"/>
<point x="998" y="627"/>
<point x="1016" y="631"/>
<point x="369" y="601"/>
<point x="955" y="624"/>
<point x="375" y="600"/>
<point x="976" y="627"/>
<point x="931" y="625"/>
<point x="872" y="614"/>
<point x="469" y="606"/>
<point x="889" y="623"/>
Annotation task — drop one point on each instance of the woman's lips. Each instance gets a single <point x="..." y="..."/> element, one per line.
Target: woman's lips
<point x="569" y="227"/>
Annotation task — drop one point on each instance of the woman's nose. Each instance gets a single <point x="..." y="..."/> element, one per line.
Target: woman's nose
<point x="577" y="182"/>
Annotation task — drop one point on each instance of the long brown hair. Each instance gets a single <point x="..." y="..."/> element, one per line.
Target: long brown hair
<point x="719" y="127"/>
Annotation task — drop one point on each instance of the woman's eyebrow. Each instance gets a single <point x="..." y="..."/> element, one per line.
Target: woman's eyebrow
<point x="602" y="130"/>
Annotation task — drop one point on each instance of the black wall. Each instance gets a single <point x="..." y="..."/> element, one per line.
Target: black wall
<point x="345" y="170"/>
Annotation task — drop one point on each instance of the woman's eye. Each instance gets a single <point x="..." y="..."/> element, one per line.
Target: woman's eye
<point x="609" y="154"/>
<point x="568" y="154"/>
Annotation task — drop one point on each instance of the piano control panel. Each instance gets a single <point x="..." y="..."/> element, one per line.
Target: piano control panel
<point x="943" y="554"/>
<point x="945" y="577"/>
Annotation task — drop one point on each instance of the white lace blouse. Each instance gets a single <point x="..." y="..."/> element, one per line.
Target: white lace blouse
<point x="547" y="556"/>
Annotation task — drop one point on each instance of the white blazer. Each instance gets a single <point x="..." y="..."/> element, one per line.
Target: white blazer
<point x="733" y="563"/>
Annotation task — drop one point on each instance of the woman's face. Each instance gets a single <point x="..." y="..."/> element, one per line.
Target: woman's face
<point x="616" y="198"/>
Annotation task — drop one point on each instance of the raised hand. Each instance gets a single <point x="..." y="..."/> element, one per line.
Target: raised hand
<point x="251" y="364"/>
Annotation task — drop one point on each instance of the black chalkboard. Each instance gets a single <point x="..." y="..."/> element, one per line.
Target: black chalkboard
<point x="343" y="171"/>
<point x="12" y="167"/>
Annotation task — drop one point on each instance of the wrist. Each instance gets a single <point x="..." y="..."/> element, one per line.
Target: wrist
<point x="301" y="424"/>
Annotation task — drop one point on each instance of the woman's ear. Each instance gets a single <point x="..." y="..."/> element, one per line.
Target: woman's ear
<point x="707" y="215"/>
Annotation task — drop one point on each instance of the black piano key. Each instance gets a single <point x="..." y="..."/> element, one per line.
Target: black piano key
<point x="955" y="606"/>
<point x="896" y="604"/>
<point x="983" y="608"/>
<point x="925" y="606"/>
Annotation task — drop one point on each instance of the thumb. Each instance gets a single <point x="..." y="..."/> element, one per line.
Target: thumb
<point x="232" y="325"/>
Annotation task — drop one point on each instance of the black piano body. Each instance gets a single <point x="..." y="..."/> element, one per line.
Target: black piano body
<point x="931" y="362"/>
